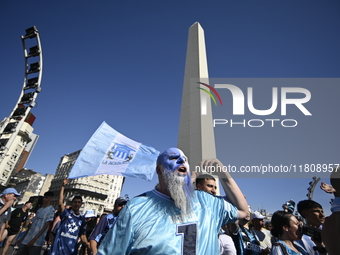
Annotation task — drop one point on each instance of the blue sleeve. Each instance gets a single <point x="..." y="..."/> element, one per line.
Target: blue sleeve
<point x="119" y="237"/>
<point x="223" y="211"/>
<point x="99" y="229"/>
<point x="64" y="214"/>
<point x="230" y="213"/>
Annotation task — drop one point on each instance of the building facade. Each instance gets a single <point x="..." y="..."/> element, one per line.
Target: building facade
<point x="26" y="153"/>
<point x="98" y="192"/>
<point x="11" y="155"/>
<point x="29" y="184"/>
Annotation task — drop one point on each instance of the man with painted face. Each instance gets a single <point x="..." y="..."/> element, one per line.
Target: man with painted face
<point x="174" y="218"/>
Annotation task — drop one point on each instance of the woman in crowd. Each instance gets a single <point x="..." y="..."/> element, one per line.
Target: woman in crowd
<point x="286" y="228"/>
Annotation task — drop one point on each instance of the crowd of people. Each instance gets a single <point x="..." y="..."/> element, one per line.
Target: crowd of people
<point x="64" y="231"/>
<point x="283" y="234"/>
<point x="182" y="215"/>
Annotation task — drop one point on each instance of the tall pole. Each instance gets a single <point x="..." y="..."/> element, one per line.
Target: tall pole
<point x="196" y="134"/>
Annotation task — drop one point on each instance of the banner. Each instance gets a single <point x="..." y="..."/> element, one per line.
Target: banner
<point x="110" y="152"/>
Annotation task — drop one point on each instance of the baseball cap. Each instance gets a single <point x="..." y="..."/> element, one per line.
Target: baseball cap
<point x="257" y="215"/>
<point x="10" y="191"/>
<point x="120" y="201"/>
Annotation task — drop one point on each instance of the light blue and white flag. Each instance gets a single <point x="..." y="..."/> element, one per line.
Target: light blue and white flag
<point x="110" y="152"/>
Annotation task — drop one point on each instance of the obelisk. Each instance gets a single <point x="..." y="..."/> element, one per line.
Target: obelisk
<point x="196" y="134"/>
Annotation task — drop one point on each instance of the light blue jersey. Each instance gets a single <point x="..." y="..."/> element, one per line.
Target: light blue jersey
<point x="44" y="214"/>
<point x="151" y="224"/>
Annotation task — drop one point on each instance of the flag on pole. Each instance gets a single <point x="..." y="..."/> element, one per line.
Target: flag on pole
<point x="110" y="152"/>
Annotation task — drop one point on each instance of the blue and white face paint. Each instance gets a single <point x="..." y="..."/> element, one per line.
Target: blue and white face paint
<point x="175" y="170"/>
<point x="173" y="160"/>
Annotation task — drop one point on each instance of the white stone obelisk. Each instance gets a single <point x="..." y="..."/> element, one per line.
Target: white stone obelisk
<point x="196" y="134"/>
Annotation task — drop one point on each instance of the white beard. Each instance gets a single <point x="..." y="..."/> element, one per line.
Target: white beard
<point x="181" y="190"/>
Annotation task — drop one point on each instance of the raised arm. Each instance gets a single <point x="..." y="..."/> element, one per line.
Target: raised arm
<point x="61" y="196"/>
<point x="231" y="189"/>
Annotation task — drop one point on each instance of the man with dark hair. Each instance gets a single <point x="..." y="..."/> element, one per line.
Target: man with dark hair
<point x="308" y="208"/>
<point x="72" y="226"/>
<point x="18" y="216"/>
<point x="207" y="183"/>
<point x="105" y="224"/>
<point x="312" y="212"/>
<point x="34" y="238"/>
<point x="174" y="218"/>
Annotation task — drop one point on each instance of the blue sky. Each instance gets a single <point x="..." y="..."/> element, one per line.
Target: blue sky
<point x="123" y="62"/>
